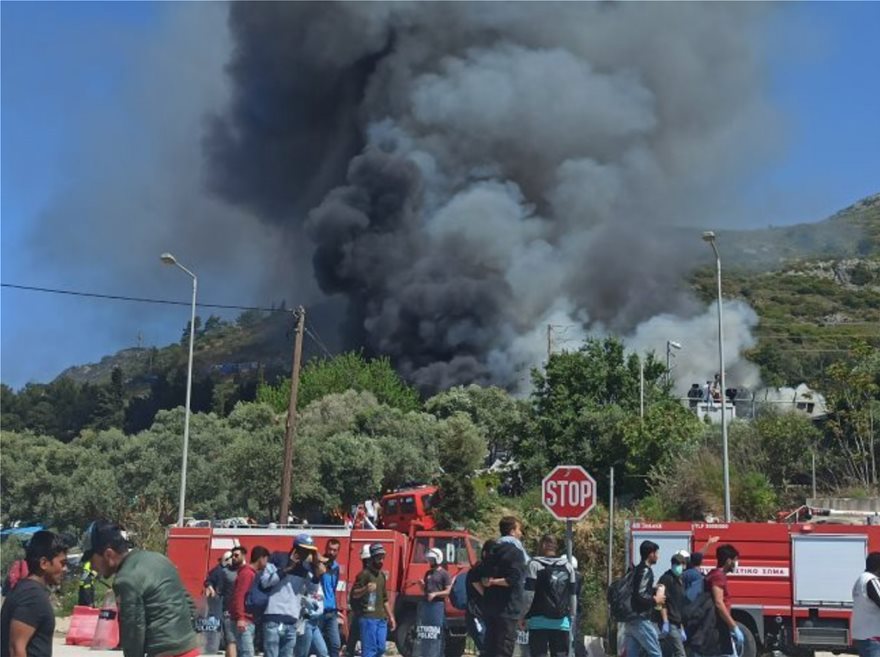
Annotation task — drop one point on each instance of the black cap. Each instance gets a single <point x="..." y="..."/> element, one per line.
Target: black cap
<point x="100" y="535"/>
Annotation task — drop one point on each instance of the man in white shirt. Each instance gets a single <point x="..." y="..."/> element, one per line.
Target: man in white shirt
<point x="866" y="608"/>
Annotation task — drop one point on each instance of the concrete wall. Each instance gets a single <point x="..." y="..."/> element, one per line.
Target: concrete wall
<point x="867" y="504"/>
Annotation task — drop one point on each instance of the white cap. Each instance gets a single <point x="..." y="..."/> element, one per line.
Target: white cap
<point x="683" y="553"/>
<point x="226" y="556"/>
<point x="365" y="551"/>
<point x="435" y="554"/>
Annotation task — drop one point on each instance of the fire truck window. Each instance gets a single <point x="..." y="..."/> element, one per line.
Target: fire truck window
<point x="419" y="549"/>
<point x="428" y="502"/>
<point x="408" y="504"/>
<point x="477" y="548"/>
<point x="391" y="507"/>
<point x="454" y="550"/>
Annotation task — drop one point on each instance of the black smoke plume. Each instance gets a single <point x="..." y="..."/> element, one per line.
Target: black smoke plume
<point x="467" y="173"/>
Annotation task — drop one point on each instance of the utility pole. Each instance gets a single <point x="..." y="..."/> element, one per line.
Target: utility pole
<point x="290" y="427"/>
<point x="549" y="341"/>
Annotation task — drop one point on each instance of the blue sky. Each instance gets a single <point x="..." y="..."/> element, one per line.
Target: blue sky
<point x="63" y="63"/>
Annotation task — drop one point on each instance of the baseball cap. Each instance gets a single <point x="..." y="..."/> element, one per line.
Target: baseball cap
<point x="682" y="557"/>
<point x="305" y="541"/>
<point x="376" y="549"/>
<point x="365" y="552"/>
<point x="227" y="556"/>
<point x="100" y="535"/>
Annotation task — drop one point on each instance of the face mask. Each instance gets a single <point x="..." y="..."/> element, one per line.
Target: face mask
<point x="735" y="565"/>
<point x="677" y="569"/>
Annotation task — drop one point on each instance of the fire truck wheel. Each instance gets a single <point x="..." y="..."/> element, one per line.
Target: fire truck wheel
<point x="750" y="647"/>
<point x="455" y="645"/>
<point x="405" y="635"/>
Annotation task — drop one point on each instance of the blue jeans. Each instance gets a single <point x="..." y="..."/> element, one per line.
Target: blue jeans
<point x="374" y="633"/>
<point x="330" y="629"/>
<point x="642" y="637"/>
<point x="279" y="639"/>
<point x="868" y="648"/>
<point x="310" y="642"/>
<point x="244" y="640"/>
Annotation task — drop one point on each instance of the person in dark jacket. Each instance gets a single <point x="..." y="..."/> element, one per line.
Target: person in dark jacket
<point x="502" y="577"/>
<point x="641" y="632"/>
<point x="155" y="611"/>
<point x="672" y="634"/>
<point x="473" y="615"/>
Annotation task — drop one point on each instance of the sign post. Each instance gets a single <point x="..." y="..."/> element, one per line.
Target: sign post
<point x="569" y="493"/>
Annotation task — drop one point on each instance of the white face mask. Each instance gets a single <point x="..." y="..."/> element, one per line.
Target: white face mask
<point x="735" y="565"/>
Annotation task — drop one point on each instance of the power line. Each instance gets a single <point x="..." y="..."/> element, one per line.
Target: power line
<point x="312" y="333"/>
<point x="121" y="297"/>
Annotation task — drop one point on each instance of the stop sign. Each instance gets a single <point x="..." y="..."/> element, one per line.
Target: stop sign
<point x="568" y="492"/>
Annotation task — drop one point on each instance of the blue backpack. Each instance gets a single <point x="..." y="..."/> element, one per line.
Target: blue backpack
<point x="256" y="599"/>
<point x="458" y="596"/>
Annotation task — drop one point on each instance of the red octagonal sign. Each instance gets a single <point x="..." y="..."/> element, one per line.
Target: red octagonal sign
<point x="568" y="492"/>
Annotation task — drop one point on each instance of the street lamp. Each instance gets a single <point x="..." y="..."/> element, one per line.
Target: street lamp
<point x="169" y="259"/>
<point x="670" y="345"/>
<point x="709" y="236"/>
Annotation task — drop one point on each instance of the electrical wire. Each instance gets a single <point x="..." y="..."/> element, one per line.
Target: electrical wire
<point x="121" y="297"/>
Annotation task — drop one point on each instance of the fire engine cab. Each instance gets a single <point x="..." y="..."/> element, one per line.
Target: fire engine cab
<point x="792" y="591"/>
<point x="194" y="550"/>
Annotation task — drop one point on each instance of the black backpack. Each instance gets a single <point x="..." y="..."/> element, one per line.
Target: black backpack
<point x="553" y="589"/>
<point x="620" y="597"/>
<point x="700" y="620"/>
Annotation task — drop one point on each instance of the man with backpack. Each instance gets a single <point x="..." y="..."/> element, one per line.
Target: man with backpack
<point x="244" y="610"/>
<point x="641" y="632"/>
<point x="730" y="636"/>
<point x="551" y="580"/>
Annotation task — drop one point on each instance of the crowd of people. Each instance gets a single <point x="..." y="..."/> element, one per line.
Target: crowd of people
<point x="286" y="602"/>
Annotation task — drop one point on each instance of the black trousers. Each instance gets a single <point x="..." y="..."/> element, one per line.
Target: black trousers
<point x="544" y="642"/>
<point x="500" y="636"/>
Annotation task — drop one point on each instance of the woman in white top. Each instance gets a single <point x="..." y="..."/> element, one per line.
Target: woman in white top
<point x="866" y="608"/>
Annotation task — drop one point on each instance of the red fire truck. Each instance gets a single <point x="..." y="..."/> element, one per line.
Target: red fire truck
<point x="194" y="550"/>
<point x="792" y="591"/>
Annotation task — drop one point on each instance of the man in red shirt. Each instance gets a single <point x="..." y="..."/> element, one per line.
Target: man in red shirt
<point x="716" y="583"/>
<point x="243" y="620"/>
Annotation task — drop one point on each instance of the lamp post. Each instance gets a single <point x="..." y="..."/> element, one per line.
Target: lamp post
<point x="169" y="259"/>
<point x="709" y="236"/>
<point x="670" y="345"/>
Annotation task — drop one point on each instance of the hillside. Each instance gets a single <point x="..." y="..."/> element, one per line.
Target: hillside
<point x="255" y="341"/>
<point x="854" y="232"/>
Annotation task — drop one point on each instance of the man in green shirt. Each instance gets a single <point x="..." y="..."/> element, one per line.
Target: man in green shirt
<point x="376" y="617"/>
<point x="155" y="611"/>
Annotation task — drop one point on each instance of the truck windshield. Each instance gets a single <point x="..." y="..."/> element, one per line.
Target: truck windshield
<point x="454" y="549"/>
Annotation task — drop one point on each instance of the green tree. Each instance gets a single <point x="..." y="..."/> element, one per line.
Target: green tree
<point x="462" y="452"/>
<point x="348" y="371"/>
<point x="852" y="431"/>
<point x="501" y="418"/>
<point x="110" y="408"/>
<point x="586" y="411"/>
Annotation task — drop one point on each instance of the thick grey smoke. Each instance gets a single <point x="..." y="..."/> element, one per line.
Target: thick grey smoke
<point x="469" y="172"/>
